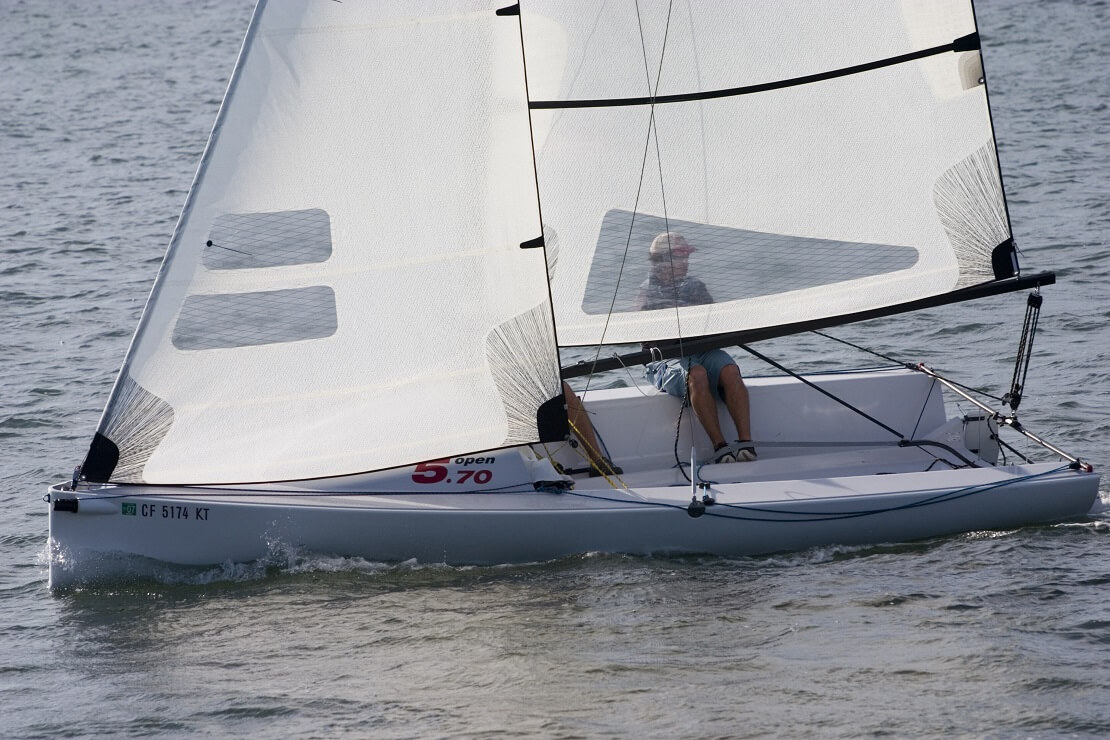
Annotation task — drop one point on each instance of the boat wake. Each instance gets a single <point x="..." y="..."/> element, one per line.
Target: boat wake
<point x="110" y="570"/>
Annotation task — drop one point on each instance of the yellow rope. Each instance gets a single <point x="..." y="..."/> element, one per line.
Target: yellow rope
<point x="593" y="455"/>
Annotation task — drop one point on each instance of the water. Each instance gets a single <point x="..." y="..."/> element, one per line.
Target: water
<point x="106" y="109"/>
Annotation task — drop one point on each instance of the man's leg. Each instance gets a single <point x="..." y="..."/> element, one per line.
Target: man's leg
<point x="580" y="421"/>
<point x="704" y="404"/>
<point x="583" y="427"/>
<point x="736" y="400"/>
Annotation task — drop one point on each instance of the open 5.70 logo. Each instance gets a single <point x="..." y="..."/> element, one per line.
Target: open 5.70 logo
<point x="457" y="470"/>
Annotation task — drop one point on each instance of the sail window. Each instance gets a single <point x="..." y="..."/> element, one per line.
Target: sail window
<point x="246" y="240"/>
<point x="249" y="319"/>
<point x="732" y="263"/>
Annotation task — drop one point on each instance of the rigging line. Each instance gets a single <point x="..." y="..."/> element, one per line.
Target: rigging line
<point x="939" y="498"/>
<point x="624" y="261"/>
<point x="551" y="455"/>
<point x="1025" y="351"/>
<point x="924" y="405"/>
<point x="667" y="227"/>
<point x="666" y="219"/>
<point x="861" y="444"/>
<point x="216" y="493"/>
<point x="640" y="184"/>
<point x="547" y="250"/>
<point x="821" y="390"/>
<point x="896" y="361"/>
<point x="678" y="433"/>
<point x="1009" y="421"/>
<point x="195" y="493"/>
<point x="595" y="459"/>
<point x="868" y="350"/>
<point x="966" y="43"/>
<point x="634" y="383"/>
<point x="670" y="249"/>
<point x="211" y="243"/>
<point x="1002" y="443"/>
<point x="822" y="516"/>
<point x="659" y="163"/>
<point x="921" y="444"/>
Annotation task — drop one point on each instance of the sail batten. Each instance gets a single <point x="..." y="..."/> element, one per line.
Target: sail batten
<point x="969" y="43"/>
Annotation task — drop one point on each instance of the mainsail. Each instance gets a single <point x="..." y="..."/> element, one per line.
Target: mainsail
<point x="346" y="289"/>
<point x="824" y="159"/>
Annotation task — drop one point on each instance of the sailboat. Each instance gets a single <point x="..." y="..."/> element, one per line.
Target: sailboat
<point x="407" y="210"/>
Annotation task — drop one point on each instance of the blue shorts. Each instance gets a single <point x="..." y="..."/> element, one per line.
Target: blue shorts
<point x="673" y="381"/>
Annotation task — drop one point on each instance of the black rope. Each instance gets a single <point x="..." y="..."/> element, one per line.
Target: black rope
<point x="868" y="350"/>
<point x="678" y="431"/>
<point x="903" y="441"/>
<point x="1002" y="443"/>
<point x="821" y="390"/>
<point x="1025" y="351"/>
<point x="941" y="445"/>
<point x="909" y="365"/>
<point x="653" y="132"/>
<point x="921" y="413"/>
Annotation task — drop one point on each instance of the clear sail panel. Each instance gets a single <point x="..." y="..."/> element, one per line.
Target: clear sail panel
<point x="811" y="164"/>
<point x="346" y="290"/>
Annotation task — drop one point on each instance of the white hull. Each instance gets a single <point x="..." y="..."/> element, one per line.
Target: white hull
<point x="794" y="497"/>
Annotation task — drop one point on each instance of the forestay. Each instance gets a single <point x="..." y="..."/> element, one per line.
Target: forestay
<point x="821" y="163"/>
<point x="346" y="288"/>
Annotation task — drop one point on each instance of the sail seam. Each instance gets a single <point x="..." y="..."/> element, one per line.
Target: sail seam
<point x="957" y="45"/>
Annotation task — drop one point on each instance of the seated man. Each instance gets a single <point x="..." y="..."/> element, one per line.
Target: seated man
<point x="709" y="375"/>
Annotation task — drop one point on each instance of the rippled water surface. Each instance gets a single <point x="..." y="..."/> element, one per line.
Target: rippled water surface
<point x="106" y="108"/>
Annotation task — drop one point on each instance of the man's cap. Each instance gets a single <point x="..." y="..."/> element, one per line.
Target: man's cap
<point x="669" y="242"/>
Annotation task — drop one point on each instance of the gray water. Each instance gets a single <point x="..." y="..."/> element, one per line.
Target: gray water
<point x="104" y="110"/>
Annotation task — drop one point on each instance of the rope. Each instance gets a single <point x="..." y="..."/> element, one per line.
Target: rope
<point x="678" y="432"/>
<point x="823" y="516"/>
<point x="594" y="457"/>
<point x="643" y="169"/>
<point x="635" y="383"/>
<point x="922" y="444"/>
<point x="1025" y="351"/>
<point x="902" y="363"/>
<point x="821" y="390"/>
<point x="809" y="516"/>
<point x="1002" y="443"/>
